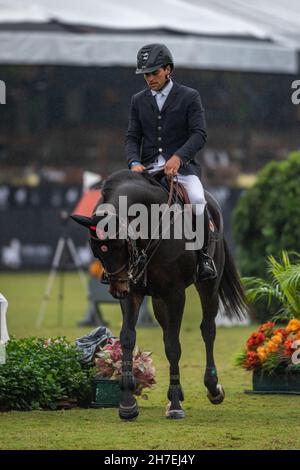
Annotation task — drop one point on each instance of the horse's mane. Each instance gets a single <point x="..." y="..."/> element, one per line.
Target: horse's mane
<point x="117" y="178"/>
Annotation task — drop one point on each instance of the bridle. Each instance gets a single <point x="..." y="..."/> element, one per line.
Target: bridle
<point x="110" y="276"/>
<point x="139" y="259"/>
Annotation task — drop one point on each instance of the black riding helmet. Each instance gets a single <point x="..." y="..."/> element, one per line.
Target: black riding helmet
<point x="152" y="57"/>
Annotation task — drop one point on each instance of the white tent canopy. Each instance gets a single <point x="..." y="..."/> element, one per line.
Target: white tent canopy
<point x="258" y="36"/>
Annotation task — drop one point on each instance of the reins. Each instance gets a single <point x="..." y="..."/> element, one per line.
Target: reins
<point x="151" y="242"/>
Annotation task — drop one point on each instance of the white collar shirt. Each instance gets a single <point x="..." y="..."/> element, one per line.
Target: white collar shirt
<point x="162" y="95"/>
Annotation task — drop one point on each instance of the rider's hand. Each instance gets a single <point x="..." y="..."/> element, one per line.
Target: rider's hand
<point x="137" y="168"/>
<point x="172" y="166"/>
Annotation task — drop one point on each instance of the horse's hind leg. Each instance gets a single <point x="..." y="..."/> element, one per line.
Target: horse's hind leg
<point x="210" y="304"/>
<point x="168" y="313"/>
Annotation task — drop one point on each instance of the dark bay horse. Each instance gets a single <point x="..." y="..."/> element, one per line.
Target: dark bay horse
<point x="170" y="269"/>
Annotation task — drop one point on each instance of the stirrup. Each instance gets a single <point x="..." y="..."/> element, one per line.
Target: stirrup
<point x="208" y="272"/>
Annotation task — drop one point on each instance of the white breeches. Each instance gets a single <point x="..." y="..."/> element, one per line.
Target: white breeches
<point x="192" y="185"/>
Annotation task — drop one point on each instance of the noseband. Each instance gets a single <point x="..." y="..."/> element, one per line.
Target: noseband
<point x="137" y="264"/>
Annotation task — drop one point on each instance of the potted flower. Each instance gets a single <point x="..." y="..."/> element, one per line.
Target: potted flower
<point x="273" y="352"/>
<point x="108" y="364"/>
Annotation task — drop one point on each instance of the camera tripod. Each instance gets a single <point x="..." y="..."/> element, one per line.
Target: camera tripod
<point x="58" y="265"/>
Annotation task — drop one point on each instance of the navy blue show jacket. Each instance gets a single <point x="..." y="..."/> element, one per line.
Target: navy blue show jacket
<point x="179" y="128"/>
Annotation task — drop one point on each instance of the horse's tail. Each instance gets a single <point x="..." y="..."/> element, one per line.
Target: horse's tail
<point x="231" y="291"/>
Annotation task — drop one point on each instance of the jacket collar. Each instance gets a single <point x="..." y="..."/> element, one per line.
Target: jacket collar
<point x="173" y="92"/>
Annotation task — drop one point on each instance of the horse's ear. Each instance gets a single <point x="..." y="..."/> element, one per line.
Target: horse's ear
<point x="82" y="220"/>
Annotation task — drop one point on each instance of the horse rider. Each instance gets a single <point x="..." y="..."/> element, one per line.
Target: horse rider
<point x="166" y="129"/>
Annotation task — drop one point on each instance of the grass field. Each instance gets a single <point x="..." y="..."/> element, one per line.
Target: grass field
<point x="241" y="422"/>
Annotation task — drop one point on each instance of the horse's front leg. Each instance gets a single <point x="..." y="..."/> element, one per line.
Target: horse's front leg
<point x="175" y="306"/>
<point x="128" y="408"/>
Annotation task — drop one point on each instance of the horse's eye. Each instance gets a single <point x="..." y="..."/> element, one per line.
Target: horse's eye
<point x="104" y="248"/>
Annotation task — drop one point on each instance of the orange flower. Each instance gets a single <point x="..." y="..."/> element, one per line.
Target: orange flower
<point x="282" y="331"/>
<point x="294" y="325"/>
<point x="272" y="347"/>
<point x="262" y="353"/>
<point x="277" y="339"/>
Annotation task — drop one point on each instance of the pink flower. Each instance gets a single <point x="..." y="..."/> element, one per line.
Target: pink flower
<point x="108" y="361"/>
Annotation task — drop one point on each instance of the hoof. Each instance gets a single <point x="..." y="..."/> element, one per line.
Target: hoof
<point x="129" y="412"/>
<point x="217" y="399"/>
<point x="174" y="414"/>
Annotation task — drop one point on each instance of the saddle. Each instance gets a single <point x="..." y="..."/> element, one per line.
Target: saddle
<point x="180" y="196"/>
<point x="160" y="179"/>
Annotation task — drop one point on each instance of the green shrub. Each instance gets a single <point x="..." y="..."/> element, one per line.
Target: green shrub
<point x="40" y="373"/>
<point x="283" y="289"/>
<point x="266" y="219"/>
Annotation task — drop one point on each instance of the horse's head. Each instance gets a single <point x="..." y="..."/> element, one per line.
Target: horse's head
<point x="113" y="238"/>
<point x="112" y="252"/>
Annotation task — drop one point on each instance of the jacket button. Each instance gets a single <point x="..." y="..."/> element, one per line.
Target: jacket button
<point x="159" y="116"/>
<point x="159" y="139"/>
<point x="159" y="128"/>
<point x="160" y="150"/>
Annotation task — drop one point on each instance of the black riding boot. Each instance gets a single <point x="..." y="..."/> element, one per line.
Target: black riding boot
<point x="206" y="269"/>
